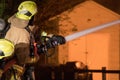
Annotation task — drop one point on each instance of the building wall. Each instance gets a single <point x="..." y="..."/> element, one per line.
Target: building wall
<point x="97" y="49"/>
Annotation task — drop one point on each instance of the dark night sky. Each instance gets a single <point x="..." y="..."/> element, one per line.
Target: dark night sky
<point x="114" y="5"/>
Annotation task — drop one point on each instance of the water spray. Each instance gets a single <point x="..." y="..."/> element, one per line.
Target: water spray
<point x="84" y="32"/>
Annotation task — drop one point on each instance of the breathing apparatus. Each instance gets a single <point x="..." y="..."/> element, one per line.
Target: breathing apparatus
<point x="2" y="25"/>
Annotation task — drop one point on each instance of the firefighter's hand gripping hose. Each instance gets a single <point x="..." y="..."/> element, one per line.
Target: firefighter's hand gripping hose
<point x="50" y="42"/>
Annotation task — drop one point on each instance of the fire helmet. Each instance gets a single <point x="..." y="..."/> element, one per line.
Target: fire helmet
<point x="6" y="48"/>
<point x="26" y="10"/>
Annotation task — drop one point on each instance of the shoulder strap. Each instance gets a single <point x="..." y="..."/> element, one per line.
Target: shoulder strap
<point x="32" y="39"/>
<point x="33" y="51"/>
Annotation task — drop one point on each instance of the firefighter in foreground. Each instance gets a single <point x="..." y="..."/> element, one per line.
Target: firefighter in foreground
<point x="20" y="35"/>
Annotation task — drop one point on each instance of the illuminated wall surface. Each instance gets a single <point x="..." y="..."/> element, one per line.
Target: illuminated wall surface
<point x="97" y="49"/>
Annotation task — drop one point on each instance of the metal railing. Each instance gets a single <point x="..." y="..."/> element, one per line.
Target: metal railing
<point x="103" y="71"/>
<point x="65" y="73"/>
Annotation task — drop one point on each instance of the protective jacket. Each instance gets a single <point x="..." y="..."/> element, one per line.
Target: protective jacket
<point x="17" y="32"/>
<point x="21" y="39"/>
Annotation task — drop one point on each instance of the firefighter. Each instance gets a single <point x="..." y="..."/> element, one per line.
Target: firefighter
<point x="6" y="51"/>
<point x="19" y="36"/>
<point x="17" y="32"/>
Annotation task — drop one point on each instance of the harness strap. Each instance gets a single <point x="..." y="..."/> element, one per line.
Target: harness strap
<point x="9" y="64"/>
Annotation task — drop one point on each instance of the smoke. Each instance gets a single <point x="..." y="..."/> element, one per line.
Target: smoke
<point x="82" y="33"/>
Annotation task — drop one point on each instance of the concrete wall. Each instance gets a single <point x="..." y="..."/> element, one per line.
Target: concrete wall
<point x="97" y="49"/>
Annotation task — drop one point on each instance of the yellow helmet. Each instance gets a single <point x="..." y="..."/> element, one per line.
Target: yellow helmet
<point x="6" y="48"/>
<point x="26" y="10"/>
